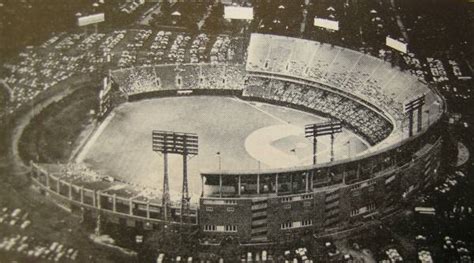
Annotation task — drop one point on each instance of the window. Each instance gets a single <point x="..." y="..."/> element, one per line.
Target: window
<point x="209" y="228"/>
<point x="230" y="228"/>
<point x="286" y="225"/>
<point x="209" y="209"/>
<point x="230" y="202"/>
<point x="307" y="204"/>
<point x="287" y="206"/>
<point x="306" y="197"/>
<point x="308" y="222"/>
<point x="230" y="209"/>
<point x="286" y="199"/>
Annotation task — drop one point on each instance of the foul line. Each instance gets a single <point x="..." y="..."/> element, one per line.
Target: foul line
<point x="89" y="143"/>
<point x="264" y="112"/>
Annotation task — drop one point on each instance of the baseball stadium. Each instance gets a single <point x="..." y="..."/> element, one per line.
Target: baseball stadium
<point x="302" y="138"/>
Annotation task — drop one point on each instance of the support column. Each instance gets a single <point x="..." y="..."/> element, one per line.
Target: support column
<point x="315" y="149"/>
<point x="98" y="226"/>
<point x="99" y="205"/>
<point x="82" y="194"/>
<point x="291" y="183"/>
<point x="306" y="180"/>
<point x="70" y="191"/>
<point x="58" y="185"/>
<point x="428" y="117"/>
<point x="130" y="207"/>
<point x="114" y="203"/>
<point x="165" y="201"/>
<point x="93" y="198"/>
<point x="410" y="124"/>
<point x="185" y="191"/>
<point x="276" y="184"/>
<point x="258" y="184"/>
<point x="239" y="184"/>
<point x="148" y="209"/>
<point x="420" y="119"/>
<point x="202" y="186"/>
<point x="47" y="180"/>
<point x="220" y="185"/>
<point x="332" y="147"/>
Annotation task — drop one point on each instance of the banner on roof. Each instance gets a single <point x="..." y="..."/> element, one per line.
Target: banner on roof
<point x="326" y="23"/>
<point x="92" y="19"/>
<point x="238" y="12"/>
<point x="396" y="44"/>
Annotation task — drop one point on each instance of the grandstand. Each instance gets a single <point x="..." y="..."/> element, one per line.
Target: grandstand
<point x="372" y="79"/>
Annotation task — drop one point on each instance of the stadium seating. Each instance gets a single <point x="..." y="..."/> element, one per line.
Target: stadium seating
<point x="355" y="73"/>
<point x="364" y="121"/>
<point x="191" y="76"/>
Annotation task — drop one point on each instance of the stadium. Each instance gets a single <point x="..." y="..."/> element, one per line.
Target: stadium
<point x="257" y="176"/>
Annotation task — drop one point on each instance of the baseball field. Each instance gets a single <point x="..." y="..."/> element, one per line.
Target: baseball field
<point x="238" y="134"/>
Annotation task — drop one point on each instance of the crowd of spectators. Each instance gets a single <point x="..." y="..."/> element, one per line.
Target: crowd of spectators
<point x="364" y="121"/>
<point x="188" y="76"/>
<point x="352" y="72"/>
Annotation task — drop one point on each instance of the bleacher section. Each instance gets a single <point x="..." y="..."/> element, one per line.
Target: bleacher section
<point x="178" y="76"/>
<point x="362" y="120"/>
<point x="352" y="72"/>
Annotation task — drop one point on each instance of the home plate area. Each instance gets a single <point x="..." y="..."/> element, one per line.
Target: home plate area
<point x="280" y="146"/>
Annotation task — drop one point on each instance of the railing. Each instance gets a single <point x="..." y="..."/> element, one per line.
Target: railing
<point x="94" y="199"/>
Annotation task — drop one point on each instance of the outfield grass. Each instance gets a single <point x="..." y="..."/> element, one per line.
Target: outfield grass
<point x="122" y="148"/>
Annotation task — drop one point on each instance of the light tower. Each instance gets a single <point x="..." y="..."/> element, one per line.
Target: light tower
<point x="409" y="108"/>
<point x="175" y="143"/>
<point x="320" y="129"/>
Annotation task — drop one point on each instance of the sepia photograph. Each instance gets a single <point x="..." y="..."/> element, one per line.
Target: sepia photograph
<point x="215" y="131"/>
